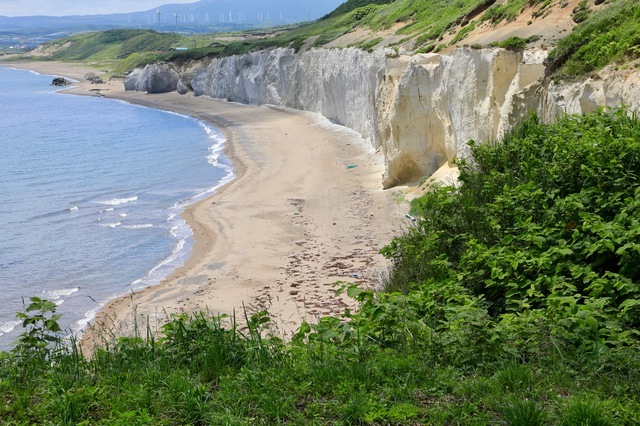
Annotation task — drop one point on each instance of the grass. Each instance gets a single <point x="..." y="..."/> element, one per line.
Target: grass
<point x="609" y="35"/>
<point x="472" y="339"/>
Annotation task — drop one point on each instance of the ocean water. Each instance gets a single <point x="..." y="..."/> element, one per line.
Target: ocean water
<point x="91" y="192"/>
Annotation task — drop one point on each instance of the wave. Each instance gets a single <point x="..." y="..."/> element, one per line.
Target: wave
<point x="142" y="226"/>
<point x="118" y="201"/>
<point x="88" y="316"/>
<point x="57" y="294"/>
<point x="215" y="152"/>
<point x="111" y="224"/>
<point x="49" y="215"/>
<point x="8" y="326"/>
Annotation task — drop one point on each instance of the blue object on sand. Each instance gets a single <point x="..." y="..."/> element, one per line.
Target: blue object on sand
<point x="352" y="166"/>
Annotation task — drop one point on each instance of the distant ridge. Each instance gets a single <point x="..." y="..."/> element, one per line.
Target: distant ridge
<point x="203" y="14"/>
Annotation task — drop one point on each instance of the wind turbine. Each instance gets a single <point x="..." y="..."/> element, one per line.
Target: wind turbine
<point x="158" y="13"/>
<point x="177" y="16"/>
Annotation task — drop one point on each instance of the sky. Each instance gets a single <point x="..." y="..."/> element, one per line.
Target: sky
<point x="77" y="7"/>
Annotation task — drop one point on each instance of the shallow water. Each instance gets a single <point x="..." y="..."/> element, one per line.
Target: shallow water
<point x="91" y="192"/>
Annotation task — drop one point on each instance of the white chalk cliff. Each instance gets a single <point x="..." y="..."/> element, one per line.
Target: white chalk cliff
<point x="421" y="110"/>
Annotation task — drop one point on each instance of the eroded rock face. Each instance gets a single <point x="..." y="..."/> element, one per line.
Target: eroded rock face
<point x="441" y="102"/>
<point x="339" y="84"/>
<point x="160" y="77"/>
<point x="421" y="110"/>
<point x="607" y="89"/>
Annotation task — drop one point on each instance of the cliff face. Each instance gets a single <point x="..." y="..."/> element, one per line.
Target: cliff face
<point x="608" y="88"/>
<point x="339" y="84"/>
<point x="420" y="110"/>
<point x="154" y="78"/>
<point x="438" y="103"/>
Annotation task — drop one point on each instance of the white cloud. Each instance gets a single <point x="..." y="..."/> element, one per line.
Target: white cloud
<point x="76" y="7"/>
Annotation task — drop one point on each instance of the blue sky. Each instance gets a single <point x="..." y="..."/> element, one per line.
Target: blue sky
<point x="77" y="7"/>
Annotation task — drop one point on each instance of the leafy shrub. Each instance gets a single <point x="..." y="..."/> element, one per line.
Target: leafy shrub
<point x="543" y="230"/>
<point x="581" y="12"/>
<point x="42" y="332"/>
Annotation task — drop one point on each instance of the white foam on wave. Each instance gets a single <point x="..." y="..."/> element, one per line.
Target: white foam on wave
<point x="215" y="151"/>
<point x="8" y="326"/>
<point x="118" y="201"/>
<point x="142" y="226"/>
<point x="111" y="225"/>
<point x="56" y="296"/>
<point x="73" y="209"/>
<point x="181" y="232"/>
<point x="122" y="215"/>
<point x="59" y="293"/>
<point x="88" y="316"/>
<point x="164" y="268"/>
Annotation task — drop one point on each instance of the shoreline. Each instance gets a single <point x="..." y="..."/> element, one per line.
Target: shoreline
<point x="294" y="220"/>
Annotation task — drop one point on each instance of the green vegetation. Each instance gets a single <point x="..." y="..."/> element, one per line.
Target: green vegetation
<point x="113" y="44"/>
<point x="509" y="10"/>
<point x="351" y="5"/>
<point x="368" y="45"/>
<point x="519" y="304"/>
<point x="581" y="12"/>
<point x="606" y="36"/>
<point x="463" y="33"/>
<point x="515" y="43"/>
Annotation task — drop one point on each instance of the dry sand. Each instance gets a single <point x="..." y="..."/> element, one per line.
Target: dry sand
<point x="295" y="221"/>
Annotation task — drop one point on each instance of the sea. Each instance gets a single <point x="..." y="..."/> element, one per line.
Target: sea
<point x="91" y="195"/>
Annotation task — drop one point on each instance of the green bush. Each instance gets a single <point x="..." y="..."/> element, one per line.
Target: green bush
<point x="544" y="228"/>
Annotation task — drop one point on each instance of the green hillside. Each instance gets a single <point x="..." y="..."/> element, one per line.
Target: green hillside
<point x="112" y="44"/>
<point x="610" y="34"/>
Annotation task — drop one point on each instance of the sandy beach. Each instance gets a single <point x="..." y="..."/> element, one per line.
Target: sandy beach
<point x="306" y="210"/>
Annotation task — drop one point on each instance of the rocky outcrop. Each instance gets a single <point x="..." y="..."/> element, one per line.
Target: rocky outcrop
<point x="421" y="110"/>
<point x="440" y="102"/>
<point x="60" y="81"/>
<point x="160" y="77"/>
<point x="608" y="88"/>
